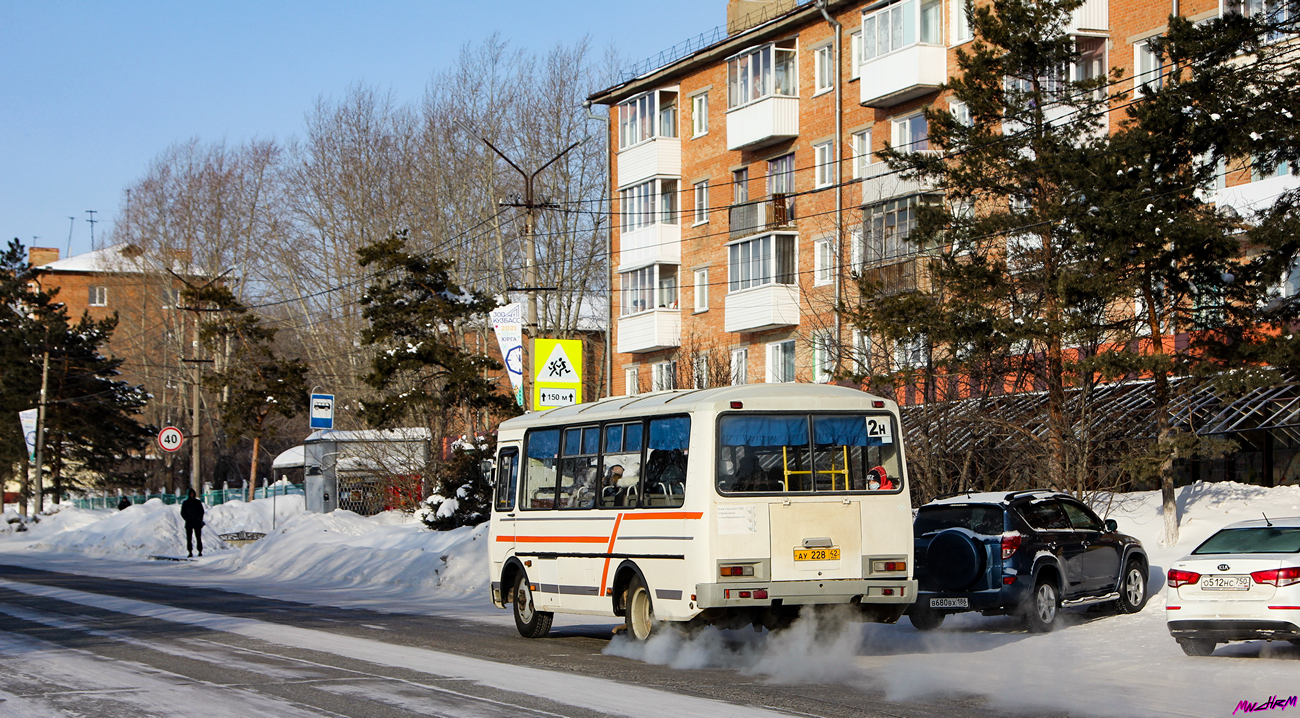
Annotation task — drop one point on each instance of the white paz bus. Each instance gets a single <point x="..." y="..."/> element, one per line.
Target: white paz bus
<point x="733" y="506"/>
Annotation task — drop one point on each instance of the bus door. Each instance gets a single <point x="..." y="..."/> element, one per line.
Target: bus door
<point x="507" y="484"/>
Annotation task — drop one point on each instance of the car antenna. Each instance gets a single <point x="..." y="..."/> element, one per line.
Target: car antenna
<point x="1270" y="523"/>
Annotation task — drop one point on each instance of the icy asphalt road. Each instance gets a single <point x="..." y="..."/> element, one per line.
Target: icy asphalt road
<point x="80" y="645"/>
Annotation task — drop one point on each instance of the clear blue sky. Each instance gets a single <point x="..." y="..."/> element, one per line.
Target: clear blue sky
<point x="91" y="92"/>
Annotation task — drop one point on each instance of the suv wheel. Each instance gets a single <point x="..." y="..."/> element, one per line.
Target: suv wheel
<point x="924" y="618"/>
<point x="1132" y="588"/>
<point x="1042" y="608"/>
<point x="1197" y="646"/>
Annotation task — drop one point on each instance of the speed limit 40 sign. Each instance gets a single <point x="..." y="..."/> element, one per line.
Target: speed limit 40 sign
<point x="170" y="438"/>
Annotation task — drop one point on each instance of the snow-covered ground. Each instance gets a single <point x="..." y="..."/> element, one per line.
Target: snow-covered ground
<point x="1097" y="664"/>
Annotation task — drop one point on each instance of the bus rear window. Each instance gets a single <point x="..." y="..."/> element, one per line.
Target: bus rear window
<point x="804" y="453"/>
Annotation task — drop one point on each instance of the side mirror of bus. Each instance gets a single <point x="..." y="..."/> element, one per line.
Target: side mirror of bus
<point x="487" y="468"/>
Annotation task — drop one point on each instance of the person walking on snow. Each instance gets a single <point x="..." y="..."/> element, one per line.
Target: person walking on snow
<point x="192" y="513"/>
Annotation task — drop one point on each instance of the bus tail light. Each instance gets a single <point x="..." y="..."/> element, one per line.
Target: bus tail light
<point x="877" y="404"/>
<point x="737" y="405"/>
<point x="760" y="593"/>
<point x="1278" y="576"/>
<point x="882" y="566"/>
<point x="1178" y="577"/>
<point x="737" y="570"/>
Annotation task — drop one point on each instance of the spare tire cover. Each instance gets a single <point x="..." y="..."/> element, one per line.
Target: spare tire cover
<point x="954" y="560"/>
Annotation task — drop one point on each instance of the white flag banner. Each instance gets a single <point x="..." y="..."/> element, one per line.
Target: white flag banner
<point x="508" y="323"/>
<point x="28" y="419"/>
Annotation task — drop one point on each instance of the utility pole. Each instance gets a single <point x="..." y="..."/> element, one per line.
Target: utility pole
<point x="195" y="454"/>
<point x="40" y="430"/>
<point x="530" y="206"/>
<point x="92" y="221"/>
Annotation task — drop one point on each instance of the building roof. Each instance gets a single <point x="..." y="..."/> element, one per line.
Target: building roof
<point x="116" y="259"/>
<point x="370" y="435"/>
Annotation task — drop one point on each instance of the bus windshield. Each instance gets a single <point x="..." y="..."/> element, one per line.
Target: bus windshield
<point x="802" y="453"/>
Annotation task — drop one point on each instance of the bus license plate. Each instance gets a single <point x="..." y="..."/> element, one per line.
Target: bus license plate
<point x="816" y="554"/>
<point x="950" y="603"/>
<point x="1225" y="583"/>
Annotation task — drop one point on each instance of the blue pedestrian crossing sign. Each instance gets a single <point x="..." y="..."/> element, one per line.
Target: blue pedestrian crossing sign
<point x="322" y="411"/>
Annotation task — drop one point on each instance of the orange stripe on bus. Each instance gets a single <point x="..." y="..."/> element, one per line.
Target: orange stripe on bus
<point x="604" y="574"/>
<point x="667" y="515"/>
<point x="554" y="539"/>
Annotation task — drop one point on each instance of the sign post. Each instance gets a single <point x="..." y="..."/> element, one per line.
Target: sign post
<point x="557" y="373"/>
<point x="322" y="411"/>
<point x="170" y="439"/>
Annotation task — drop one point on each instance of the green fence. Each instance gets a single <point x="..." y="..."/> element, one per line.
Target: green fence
<point x="211" y="498"/>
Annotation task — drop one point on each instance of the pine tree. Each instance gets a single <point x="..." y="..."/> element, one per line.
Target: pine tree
<point x="418" y="317"/>
<point x="253" y="382"/>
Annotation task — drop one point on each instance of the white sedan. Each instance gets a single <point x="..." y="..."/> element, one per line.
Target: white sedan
<point x="1242" y="584"/>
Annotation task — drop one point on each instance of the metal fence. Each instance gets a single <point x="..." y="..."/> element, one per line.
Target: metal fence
<point x="215" y="497"/>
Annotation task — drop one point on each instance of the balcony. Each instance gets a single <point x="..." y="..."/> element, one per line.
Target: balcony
<point x="903" y="75"/>
<point x="650" y="331"/>
<point x="1092" y="17"/>
<point x="770" y="119"/>
<point x="880" y="183"/>
<point x="756" y="217"/>
<point x="661" y="156"/>
<point x="760" y="308"/>
<point x="657" y="244"/>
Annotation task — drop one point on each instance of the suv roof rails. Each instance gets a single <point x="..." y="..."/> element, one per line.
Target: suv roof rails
<point x="1029" y="492"/>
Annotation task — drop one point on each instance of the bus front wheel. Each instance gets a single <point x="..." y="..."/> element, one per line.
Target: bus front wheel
<point x="531" y="622"/>
<point x="639" y="614"/>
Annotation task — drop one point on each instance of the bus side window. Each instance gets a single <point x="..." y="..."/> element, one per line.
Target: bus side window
<point x="507" y="478"/>
<point x="539" y="471"/>
<point x="621" y="461"/>
<point x="665" y="466"/>
<point x="578" y="469"/>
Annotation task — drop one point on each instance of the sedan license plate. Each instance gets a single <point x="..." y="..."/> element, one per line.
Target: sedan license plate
<point x="816" y="554"/>
<point x="950" y="603"/>
<point x="1225" y="583"/>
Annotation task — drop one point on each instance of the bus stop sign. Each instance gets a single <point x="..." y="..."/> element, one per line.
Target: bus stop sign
<point x="322" y="411"/>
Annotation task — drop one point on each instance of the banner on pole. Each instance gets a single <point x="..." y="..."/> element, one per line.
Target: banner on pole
<point x="28" y="419"/>
<point x="557" y="373"/>
<point x="508" y="324"/>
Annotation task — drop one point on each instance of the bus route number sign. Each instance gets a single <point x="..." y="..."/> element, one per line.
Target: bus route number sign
<point x="170" y="438"/>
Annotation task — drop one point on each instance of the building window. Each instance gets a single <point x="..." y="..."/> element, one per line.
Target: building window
<point x="700" y="114"/>
<point x="664" y="375"/>
<point x="780" y="175"/>
<point x="824" y="155"/>
<point x="740" y="186"/>
<point x="960" y="112"/>
<point x="667" y="286"/>
<point x="911" y="134"/>
<point x="638" y="290"/>
<point x="701" y="202"/>
<point x="700" y="371"/>
<point x="1274" y="12"/>
<point x="757" y="74"/>
<point x="824" y="69"/>
<point x="823" y="364"/>
<point x="887" y="226"/>
<point x="780" y="362"/>
<point x="861" y="153"/>
<point x="861" y="351"/>
<point x="1259" y="174"/>
<point x="701" y="290"/>
<point x="762" y="260"/>
<point x="668" y="201"/>
<point x="739" y="367"/>
<point x="855" y="55"/>
<point x="638" y="205"/>
<point x="631" y="382"/>
<point x="910" y="353"/>
<point x="1148" y="70"/>
<point x="651" y="115"/>
<point x="823" y="262"/>
<point x="98" y="297"/>
<point x="894" y="28"/>
<point x="961" y="25"/>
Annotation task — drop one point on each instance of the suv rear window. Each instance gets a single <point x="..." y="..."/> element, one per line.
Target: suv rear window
<point x="1252" y="540"/>
<point x="981" y="518"/>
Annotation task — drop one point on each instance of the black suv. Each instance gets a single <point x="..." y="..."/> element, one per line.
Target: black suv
<point x="1025" y="553"/>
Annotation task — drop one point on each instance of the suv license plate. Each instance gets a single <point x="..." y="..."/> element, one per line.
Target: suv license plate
<point x="950" y="603"/>
<point x="1225" y="583"/>
<point x="816" y="554"/>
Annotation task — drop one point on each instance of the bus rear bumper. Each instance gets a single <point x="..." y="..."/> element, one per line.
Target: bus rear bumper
<point x="803" y="593"/>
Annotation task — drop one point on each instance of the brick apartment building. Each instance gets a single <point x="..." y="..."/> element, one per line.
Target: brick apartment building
<point x="747" y="190"/>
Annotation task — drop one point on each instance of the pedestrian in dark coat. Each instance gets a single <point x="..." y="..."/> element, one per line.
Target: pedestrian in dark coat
<point x="192" y="513"/>
<point x="124" y="504"/>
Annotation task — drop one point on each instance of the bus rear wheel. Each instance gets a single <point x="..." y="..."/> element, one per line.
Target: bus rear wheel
<point x="531" y="622"/>
<point x="639" y="614"/>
